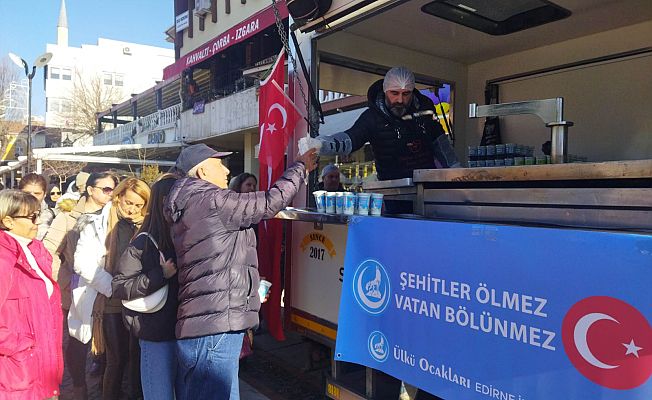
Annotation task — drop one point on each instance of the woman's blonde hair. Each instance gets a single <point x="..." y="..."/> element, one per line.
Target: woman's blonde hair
<point x="16" y="202"/>
<point x="135" y="185"/>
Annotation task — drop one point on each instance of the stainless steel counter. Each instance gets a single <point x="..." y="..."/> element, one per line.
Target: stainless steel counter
<point x="297" y="214"/>
<point x="634" y="169"/>
<point x="611" y="195"/>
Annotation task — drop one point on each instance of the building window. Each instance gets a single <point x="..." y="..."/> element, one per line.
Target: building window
<point x="66" y="106"/>
<point x="119" y="80"/>
<point x="55" y="72"/>
<point x="58" y="105"/>
<point x="54" y="105"/>
<point x="107" y="78"/>
<point x="66" y="74"/>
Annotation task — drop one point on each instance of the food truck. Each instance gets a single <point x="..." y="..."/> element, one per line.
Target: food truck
<point x="518" y="279"/>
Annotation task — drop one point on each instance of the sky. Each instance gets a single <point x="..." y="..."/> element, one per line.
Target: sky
<point x="26" y="26"/>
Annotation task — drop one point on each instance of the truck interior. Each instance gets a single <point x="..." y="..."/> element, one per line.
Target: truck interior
<point x="595" y="54"/>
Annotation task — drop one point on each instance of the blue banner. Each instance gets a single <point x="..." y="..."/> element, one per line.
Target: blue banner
<point x="471" y="311"/>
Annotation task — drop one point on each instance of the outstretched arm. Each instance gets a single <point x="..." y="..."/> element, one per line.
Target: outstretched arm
<point x="343" y="143"/>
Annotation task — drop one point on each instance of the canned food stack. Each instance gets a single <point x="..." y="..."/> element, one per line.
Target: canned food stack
<point x="502" y="155"/>
<point x="348" y="203"/>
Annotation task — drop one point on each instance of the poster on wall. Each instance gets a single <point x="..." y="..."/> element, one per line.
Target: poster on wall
<point x="474" y="311"/>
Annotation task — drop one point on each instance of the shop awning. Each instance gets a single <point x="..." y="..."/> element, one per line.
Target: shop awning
<point x="163" y="154"/>
<point x="236" y="34"/>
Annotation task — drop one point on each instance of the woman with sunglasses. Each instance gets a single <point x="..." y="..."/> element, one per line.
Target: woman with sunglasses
<point x="31" y="363"/>
<point x="37" y="186"/>
<point x="147" y="266"/>
<point x="54" y="194"/>
<point x="61" y="241"/>
<point x="101" y="243"/>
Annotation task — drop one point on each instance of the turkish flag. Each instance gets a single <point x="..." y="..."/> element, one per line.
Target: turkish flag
<point x="277" y="117"/>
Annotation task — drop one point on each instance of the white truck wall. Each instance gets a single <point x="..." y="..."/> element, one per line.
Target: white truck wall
<point x="609" y="103"/>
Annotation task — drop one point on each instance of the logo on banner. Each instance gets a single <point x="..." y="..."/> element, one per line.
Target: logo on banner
<point x="378" y="346"/>
<point x="318" y="239"/>
<point x="371" y="286"/>
<point x="609" y="342"/>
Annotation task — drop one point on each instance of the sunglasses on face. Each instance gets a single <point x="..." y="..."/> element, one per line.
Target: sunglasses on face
<point x="105" y="189"/>
<point x="34" y="216"/>
<point x="55" y="193"/>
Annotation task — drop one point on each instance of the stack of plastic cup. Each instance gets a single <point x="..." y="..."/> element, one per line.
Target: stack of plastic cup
<point x="363" y="203"/>
<point x="320" y="200"/>
<point x="330" y="202"/>
<point x="339" y="202"/>
<point x="349" y="203"/>
<point x="376" y="204"/>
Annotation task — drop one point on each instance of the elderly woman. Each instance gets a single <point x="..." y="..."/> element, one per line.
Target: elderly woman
<point x="101" y="243"/>
<point x="31" y="363"/>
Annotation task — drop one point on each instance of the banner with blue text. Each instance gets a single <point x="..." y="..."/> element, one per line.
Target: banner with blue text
<point x="474" y="311"/>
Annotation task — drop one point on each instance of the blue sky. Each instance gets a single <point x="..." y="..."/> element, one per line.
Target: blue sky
<point x="26" y="26"/>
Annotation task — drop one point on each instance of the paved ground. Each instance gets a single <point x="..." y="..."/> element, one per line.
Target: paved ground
<point x="289" y="370"/>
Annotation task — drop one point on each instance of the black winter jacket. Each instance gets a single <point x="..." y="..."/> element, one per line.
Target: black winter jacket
<point x="216" y="251"/>
<point x="139" y="274"/>
<point x="399" y="146"/>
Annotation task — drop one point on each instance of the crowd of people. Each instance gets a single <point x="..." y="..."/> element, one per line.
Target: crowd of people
<point x="161" y="280"/>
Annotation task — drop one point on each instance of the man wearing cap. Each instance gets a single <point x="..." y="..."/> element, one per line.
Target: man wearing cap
<point x="399" y="145"/>
<point x="218" y="265"/>
<point x="330" y="179"/>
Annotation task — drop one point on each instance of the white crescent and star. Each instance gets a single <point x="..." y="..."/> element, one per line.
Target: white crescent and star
<point x="271" y="127"/>
<point x="632" y="348"/>
<point x="281" y="109"/>
<point x="582" y="328"/>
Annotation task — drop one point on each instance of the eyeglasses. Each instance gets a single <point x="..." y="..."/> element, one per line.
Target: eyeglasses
<point x="105" y="189"/>
<point x="55" y="193"/>
<point x="34" y="216"/>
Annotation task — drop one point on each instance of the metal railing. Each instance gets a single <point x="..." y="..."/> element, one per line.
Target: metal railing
<point x="162" y="119"/>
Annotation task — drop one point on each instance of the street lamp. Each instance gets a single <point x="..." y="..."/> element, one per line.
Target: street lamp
<point x="41" y="61"/>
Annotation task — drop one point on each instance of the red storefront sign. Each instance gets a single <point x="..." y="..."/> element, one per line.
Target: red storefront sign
<point x="240" y="32"/>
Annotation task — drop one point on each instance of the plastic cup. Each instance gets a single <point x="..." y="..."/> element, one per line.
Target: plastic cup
<point x="349" y="203"/>
<point x="363" y="203"/>
<point x="376" y="206"/>
<point x="339" y="202"/>
<point x="307" y="143"/>
<point x="263" y="289"/>
<point x="320" y="200"/>
<point x="330" y="202"/>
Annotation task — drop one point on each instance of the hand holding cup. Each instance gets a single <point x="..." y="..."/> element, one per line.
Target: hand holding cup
<point x="309" y="159"/>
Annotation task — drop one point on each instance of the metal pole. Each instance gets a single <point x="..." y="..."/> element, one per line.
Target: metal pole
<point x="29" y="122"/>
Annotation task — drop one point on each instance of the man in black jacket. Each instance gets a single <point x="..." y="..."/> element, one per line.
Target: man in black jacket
<point x="401" y="128"/>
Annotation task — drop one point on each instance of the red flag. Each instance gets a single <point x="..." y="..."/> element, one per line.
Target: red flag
<point x="277" y="117"/>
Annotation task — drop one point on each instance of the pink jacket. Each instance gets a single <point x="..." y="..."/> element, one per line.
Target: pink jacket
<point x="31" y="360"/>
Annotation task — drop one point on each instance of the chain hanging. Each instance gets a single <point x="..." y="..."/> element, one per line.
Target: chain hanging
<point x="286" y="45"/>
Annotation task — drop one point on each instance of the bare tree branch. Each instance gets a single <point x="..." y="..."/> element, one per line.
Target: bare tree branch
<point x="62" y="169"/>
<point x="88" y="97"/>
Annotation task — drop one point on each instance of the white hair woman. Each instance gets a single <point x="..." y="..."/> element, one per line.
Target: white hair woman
<point x="31" y="361"/>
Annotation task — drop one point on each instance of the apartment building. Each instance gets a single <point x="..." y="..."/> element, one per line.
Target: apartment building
<point x="113" y="69"/>
<point x="209" y="93"/>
